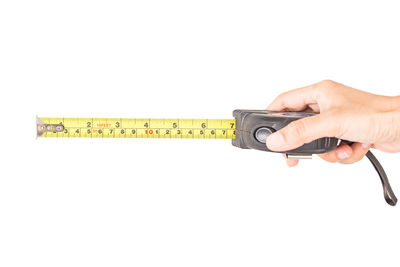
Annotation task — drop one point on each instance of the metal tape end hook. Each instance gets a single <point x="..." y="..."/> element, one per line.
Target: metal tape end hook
<point x="40" y="127"/>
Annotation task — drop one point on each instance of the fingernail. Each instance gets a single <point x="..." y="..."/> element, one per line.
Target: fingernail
<point x="343" y="155"/>
<point x="364" y="145"/>
<point x="275" y="140"/>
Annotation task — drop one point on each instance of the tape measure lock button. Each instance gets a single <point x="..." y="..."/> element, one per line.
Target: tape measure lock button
<point x="262" y="133"/>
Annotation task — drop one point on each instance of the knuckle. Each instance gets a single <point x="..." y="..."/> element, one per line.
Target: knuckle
<point x="326" y="86"/>
<point x="281" y="98"/>
<point x="278" y="103"/>
<point x="281" y="95"/>
<point x="327" y="83"/>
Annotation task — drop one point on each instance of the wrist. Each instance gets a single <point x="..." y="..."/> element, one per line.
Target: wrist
<point x="392" y="117"/>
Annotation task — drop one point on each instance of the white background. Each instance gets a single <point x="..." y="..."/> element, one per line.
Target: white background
<point x="126" y="202"/>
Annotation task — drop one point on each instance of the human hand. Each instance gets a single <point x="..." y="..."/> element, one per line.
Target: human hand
<point x="366" y="119"/>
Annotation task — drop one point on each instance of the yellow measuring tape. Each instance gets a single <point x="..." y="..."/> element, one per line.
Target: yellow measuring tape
<point x="136" y="128"/>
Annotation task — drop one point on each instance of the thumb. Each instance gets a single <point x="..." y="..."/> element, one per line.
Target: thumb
<point x="302" y="131"/>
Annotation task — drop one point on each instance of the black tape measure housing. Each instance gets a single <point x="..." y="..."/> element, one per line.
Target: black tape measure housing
<point x="254" y="126"/>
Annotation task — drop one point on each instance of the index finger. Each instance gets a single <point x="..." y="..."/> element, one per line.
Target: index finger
<point x="295" y="100"/>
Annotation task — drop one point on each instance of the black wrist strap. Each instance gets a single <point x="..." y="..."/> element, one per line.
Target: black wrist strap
<point x="390" y="197"/>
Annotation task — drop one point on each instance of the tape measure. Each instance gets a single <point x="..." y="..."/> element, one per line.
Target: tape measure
<point x="136" y="128"/>
<point x="249" y="130"/>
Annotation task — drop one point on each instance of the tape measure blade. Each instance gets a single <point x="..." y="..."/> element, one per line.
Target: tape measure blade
<point x="136" y="128"/>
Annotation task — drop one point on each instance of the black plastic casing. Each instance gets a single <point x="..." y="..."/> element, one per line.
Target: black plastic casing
<point x="248" y="121"/>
